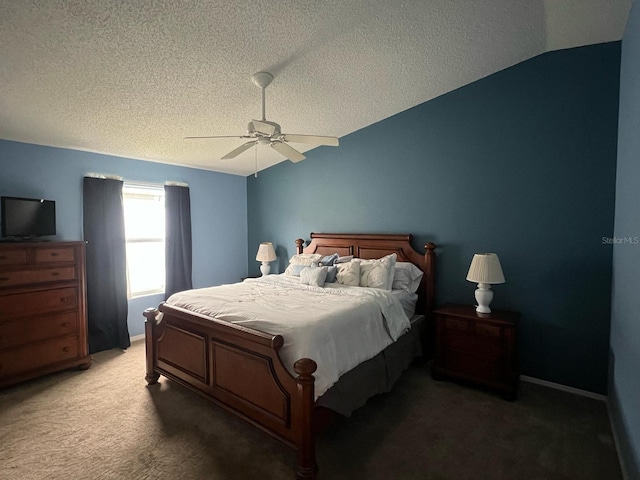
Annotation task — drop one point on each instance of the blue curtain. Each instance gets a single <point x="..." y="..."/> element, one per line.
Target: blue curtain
<point x="178" y="239"/>
<point x="103" y="222"/>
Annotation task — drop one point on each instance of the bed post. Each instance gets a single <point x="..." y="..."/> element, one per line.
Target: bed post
<point x="149" y="324"/>
<point x="299" y="245"/>
<point x="430" y="272"/>
<point x="307" y="467"/>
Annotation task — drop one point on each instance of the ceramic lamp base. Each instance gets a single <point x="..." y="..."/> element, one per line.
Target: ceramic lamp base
<point x="484" y="295"/>
<point x="265" y="268"/>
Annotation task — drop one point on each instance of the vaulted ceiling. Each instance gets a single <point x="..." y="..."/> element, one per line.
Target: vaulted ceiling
<point x="133" y="78"/>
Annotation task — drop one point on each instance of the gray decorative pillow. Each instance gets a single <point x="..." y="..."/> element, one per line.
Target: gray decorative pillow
<point x="329" y="260"/>
<point x="314" y="276"/>
<point x="331" y="274"/>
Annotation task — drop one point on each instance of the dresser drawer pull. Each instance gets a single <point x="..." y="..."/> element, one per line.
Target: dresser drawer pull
<point x="65" y="325"/>
<point x="55" y="274"/>
<point x="66" y="349"/>
<point x="54" y="254"/>
<point x="64" y="299"/>
<point x="4" y="279"/>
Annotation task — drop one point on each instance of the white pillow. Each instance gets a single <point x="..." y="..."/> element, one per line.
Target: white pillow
<point x="302" y="259"/>
<point x="314" y="276"/>
<point x="406" y="277"/>
<point x="378" y="273"/>
<point x="349" y="273"/>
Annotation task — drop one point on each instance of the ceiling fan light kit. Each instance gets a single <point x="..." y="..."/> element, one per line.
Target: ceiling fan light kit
<point x="265" y="132"/>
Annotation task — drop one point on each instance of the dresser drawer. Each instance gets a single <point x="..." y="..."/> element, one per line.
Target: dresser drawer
<point x="21" y="332"/>
<point x="13" y="256"/>
<point x="37" y="355"/>
<point x="33" y="303"/>
<point x="23" y="277"/>
<point x="54" y="254"/>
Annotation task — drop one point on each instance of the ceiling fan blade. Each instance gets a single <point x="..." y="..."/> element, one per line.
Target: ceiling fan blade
<point x="289" y="152"/>
<point x="264" y="127"/>
<point x="314" y="139"/>
<point x="234" y="153"/>
<point x="221" y="136"/>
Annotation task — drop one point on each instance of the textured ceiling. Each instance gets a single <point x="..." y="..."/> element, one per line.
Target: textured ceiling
<point x="132" y="78"/>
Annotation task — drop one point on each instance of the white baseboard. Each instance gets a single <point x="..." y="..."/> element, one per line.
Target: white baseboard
<point x="137" y="338"/>
<point x="616" y="442"/>
<point x="564" y="388"/>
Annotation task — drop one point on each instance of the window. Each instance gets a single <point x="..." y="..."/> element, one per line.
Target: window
<point x="144" y="232"/>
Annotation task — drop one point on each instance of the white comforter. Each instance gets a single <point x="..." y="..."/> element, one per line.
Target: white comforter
<point x="337" y="326"/>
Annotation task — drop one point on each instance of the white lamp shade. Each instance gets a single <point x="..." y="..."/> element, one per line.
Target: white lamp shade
<point x="485" y="268"/>
<point x="266" y="253"/>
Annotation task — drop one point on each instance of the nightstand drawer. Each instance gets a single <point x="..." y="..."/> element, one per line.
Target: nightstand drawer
<point x="456" y="324"/>
<point x="471" y="343"/>
<point x="477" y="367"/>
<point x="487" y="330"/>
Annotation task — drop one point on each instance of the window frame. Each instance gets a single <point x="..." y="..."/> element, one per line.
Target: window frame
<point x="144" y="190"/>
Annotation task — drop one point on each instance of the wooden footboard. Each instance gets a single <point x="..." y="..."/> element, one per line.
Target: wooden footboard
<point x="239" y="369"/>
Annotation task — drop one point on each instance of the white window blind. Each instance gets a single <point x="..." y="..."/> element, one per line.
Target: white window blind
<point x="145" y="236"/>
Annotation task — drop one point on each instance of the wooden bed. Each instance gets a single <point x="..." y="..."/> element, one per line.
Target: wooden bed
<point x="239" y="368"/>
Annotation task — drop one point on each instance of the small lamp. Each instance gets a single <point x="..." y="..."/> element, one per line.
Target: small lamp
<point x="485" y="270"/>
<point x="266" y="254"/>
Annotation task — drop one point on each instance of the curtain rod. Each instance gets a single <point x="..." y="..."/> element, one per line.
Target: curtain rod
<point x="138" y="184"/>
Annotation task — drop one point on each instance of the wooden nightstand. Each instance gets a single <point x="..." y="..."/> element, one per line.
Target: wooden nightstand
<point x="479" y="348"/>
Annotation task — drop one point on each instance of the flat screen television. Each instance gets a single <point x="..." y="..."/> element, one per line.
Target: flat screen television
<point x="26" y="218"/>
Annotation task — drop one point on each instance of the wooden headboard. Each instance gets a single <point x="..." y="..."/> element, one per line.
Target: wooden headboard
<point x="369" y="246"/>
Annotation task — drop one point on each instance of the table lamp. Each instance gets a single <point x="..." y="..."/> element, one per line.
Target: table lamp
<point x="266" y="254"/>
<point x="485" y="270"/>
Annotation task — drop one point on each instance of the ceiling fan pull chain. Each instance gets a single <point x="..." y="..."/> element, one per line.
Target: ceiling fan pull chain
<point x="256" y="156"/>
<point x="263" y="101"/>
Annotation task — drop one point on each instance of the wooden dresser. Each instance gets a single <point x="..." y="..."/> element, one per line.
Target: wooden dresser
<point x="43" y="320"/>
<point x="477" y="347"/>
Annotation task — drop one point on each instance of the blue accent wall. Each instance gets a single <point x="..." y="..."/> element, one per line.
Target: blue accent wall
<point x="218" y="205"/>
<point x="624" y="384"/>
<point x="521" y="163"/>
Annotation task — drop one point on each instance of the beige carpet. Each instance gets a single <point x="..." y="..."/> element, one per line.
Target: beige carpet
<point x="104" y="423"/>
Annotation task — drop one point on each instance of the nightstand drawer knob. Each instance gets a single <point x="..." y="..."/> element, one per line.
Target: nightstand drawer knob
<point x="66" y="349"/>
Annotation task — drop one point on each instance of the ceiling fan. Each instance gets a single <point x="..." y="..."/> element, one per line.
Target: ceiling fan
<point x="264" y="132"/>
